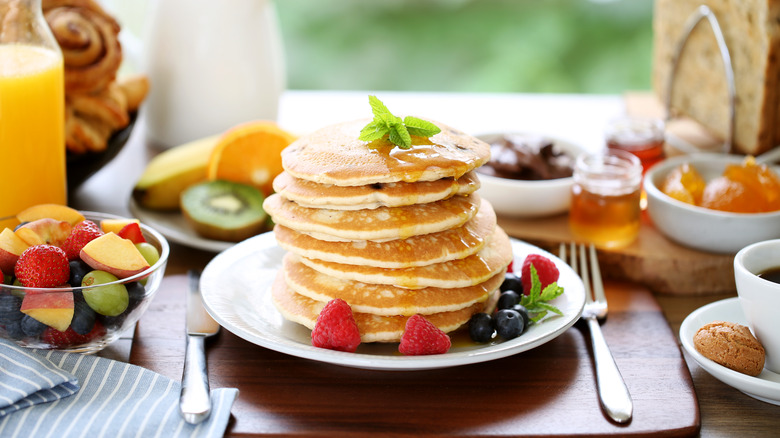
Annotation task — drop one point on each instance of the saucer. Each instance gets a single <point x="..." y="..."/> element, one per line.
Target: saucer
<point x="764" y="387"/>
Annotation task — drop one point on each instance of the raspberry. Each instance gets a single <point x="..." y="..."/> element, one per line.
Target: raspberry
<point x="336" y="328"/>
<point x="42" y="266"/>
<point x="545" y="269"/>
<point x="422" y="337"/>
<point x="69" y="337"/>
<point x="84" y="232"/>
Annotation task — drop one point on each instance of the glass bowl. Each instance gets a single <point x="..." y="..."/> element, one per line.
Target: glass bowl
<point x="29" y="332"/>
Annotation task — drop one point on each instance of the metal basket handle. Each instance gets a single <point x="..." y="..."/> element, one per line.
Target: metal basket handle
<point x="696" y="17"/>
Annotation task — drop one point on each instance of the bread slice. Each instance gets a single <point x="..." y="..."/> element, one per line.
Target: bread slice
<point x="751" y="29"/>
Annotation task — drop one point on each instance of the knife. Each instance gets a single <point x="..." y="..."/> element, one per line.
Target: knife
<point x="195" y="398"/>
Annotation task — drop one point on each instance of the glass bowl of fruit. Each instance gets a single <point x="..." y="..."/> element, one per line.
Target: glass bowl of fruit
<point x="75" y="281"/>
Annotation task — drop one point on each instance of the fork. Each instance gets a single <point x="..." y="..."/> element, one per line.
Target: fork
<point x="613" y="393"/>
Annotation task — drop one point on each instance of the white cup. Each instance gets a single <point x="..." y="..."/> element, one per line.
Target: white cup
<point x="760" y="298"/>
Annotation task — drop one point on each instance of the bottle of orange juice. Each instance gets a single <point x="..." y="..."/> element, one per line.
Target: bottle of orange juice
<point x="32" y="110"/>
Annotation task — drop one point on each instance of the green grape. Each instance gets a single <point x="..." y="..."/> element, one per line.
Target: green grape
<point x="150" y="253"/>
<point x="109" y="300"/>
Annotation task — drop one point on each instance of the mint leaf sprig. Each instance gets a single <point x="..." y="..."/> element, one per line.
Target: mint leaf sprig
<point x="536" y="302"/>
<point x="398" y="131"/>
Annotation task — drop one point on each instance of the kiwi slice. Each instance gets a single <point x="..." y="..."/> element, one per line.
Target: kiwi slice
<point x="224" y="210"/>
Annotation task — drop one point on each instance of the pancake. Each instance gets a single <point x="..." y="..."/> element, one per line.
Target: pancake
<point x="383" y="223"/>
<point x="468" y="271"/>
<point x="395" y="194"/>
<point x="373" y="328"/>
<point x="426" y="249"/>
<point x="335" y="155"/>
<point x="382" y="299"/>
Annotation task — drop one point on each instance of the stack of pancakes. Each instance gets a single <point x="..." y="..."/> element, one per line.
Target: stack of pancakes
<point x="393" y="232"/>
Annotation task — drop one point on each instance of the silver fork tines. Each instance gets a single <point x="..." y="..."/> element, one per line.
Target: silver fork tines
<point x="613" y="393"/>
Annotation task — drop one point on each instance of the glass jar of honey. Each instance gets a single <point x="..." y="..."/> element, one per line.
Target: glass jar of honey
<point x="605" y="206"/>
<point x="643" y="137"/>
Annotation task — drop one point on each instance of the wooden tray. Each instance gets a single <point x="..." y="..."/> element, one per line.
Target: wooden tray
<point x="547" y="391"/>
<point x="652" y="260"/>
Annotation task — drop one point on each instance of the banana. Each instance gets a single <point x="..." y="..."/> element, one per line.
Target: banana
<point x="171" y="172"/>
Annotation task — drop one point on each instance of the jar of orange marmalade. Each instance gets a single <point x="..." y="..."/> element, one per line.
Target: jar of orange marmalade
<point x="605" y="207"/>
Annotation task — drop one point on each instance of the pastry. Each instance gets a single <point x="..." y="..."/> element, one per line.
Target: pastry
<point x="88" y="38"/>
<point x="731" y="345"/>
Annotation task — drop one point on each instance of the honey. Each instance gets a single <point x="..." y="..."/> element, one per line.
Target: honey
<point x="605" y="206"/>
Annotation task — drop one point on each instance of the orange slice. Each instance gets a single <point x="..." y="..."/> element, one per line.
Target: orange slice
<point x="250" y="153"/>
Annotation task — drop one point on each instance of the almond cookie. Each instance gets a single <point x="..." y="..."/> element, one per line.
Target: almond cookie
<point x="731" y="345"/>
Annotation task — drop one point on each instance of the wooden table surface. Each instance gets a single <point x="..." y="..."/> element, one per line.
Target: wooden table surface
<point x="284" y="395"/>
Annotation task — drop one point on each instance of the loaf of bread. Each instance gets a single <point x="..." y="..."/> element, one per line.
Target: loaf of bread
<point x="751" y="30"/>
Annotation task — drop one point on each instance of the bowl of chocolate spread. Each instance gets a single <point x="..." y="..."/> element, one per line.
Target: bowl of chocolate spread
<point x="529" y="175"/>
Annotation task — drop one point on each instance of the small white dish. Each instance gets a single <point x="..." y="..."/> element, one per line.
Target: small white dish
<point x="175" y="228"/>
<point x="764" y="387"/>
<point x="236" y="292"/>
<point x="702" y="228"/>
<point x="529" y="199"/>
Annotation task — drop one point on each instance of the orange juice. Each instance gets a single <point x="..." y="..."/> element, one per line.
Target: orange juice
<point x="32" y="128"/>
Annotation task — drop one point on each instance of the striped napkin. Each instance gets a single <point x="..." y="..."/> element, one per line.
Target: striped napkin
<point x="51" y="393"/>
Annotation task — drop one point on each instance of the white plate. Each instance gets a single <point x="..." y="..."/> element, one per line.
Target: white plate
<point x="764" y="387"/>
<point x="175" y="228"/>
<point x="236" y="292"/>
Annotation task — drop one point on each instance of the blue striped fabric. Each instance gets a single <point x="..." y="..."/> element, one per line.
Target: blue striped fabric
<point x="75" y="395"/>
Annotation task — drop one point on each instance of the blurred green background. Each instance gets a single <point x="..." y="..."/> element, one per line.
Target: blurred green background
<point x="557" y="46"/>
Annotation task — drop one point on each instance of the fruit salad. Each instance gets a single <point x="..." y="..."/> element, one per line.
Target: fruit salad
<point x="75" y="281"/>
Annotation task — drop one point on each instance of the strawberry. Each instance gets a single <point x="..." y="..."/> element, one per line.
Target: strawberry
<point x="545" y="269"/>
<point x="335" y="328"/>
<point x="42" y="266"/>
<point x="83" y="233"/>
<point x="132" y="232"/>
<point x="70" y="338"/>
<point x="422" y="337"/>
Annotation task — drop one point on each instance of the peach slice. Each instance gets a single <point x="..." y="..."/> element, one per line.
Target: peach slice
<point x="114" y="254"/>
<point x="53" y="211"/>
<point x="54" y="309"/>
<point x="46" y="231"/>
<point x="11" y="247"/>
<point x="116" y="225"/>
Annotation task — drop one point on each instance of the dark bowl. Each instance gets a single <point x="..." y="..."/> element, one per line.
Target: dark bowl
<point x="82" y="166"/>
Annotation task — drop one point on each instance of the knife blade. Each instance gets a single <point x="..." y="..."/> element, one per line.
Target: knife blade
<point x="195" y="398"/>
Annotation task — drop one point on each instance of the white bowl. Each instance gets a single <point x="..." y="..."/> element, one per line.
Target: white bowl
<point x="529" y="199"/>
<point x="702" y="228"/>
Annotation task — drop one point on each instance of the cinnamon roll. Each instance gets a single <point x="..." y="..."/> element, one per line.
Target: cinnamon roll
<point x="88" y="37"/>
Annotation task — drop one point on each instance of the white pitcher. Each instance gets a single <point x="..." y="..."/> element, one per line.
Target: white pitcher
<point x="212" y="65"/>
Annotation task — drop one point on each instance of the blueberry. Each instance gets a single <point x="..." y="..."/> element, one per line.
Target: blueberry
<point x="9" y="309"/>
<point x="481" y="327"/>
<point x="31" y="326"/>
<point x="14" y="330"/>
<point x="512" y="282"/>
<point x="508" y="299"/>
<point x="519" y="308"/>
<point x="509" y="324"/>
<point x="83" y="315"/>
<point x="135" y="291"/>
<point x="78" y="270"/>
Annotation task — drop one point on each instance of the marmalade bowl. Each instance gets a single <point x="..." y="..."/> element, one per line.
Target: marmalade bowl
<point x="31" y="333"/>
<point x="702" y="228"/>
<point x="528" y="199"/>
